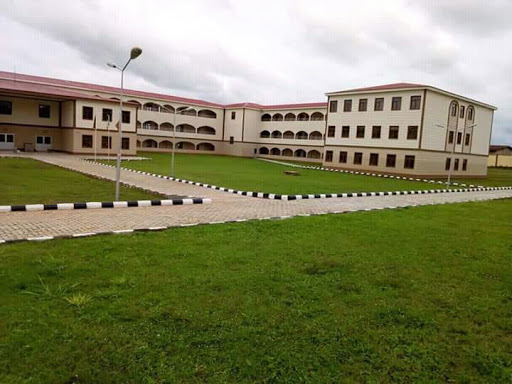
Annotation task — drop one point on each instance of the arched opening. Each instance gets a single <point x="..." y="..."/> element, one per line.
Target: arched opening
<point x="205" y="130"/>
<point x="151" y="107"/>
<point x="454" y="109"/>
<point x="315" y="135"/>
<point x="168" y="109"/>
<point x="135" y="102"/>
<point x="207" y="113"/>
<point x="149" y="144"/>
<point x="303" y="116"/>
<point x="275" y="152"/>
<point x="277" y="135"/>
<point x="264" y="134"/>
<point x="300" y="153"/>
<point x="470" y="113"/>
<point x="314" y="154"/>
<point x="150" y="125"/>
<point x="277" y="117"/>
<point x="287" y="152"/>
<point x="189" y="112"/>
<point x="288" y="135"/>
<point x="205" y="147"/>
<point x="317" y="116"/>
<point x="290" y="117"/>
<point x="265" y="117"/>
<point x="301" y="135"/>
<point x="185" y="145"/>
<point x="166" y="144"/>
<point x="263" y="151"/>
<point x="166" y="127"/>
<point x="185" y="128"/>
<point x="138" y="143"/>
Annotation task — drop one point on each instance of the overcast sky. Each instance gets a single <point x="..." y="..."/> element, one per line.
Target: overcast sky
<point x="268" y="52"/>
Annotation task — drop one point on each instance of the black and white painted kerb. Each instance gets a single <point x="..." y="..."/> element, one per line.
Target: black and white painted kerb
<point x="162" y="228"/>
<point x="273" y="196"/>
<point x="384" y="176"/>
<point x="97" y="205"/>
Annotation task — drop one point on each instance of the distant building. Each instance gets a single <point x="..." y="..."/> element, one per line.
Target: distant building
<point x="500" y="156"/>
<point x="398" y="128"/>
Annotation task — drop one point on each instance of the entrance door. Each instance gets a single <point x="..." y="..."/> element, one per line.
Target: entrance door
<point x="43" y="143"/>
<point x="6" y="140"/>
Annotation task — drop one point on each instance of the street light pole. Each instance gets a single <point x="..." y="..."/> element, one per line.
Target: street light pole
<point x="453" y="150"/>
<point x="177" y="111"/>
<point x="135" y="52"/>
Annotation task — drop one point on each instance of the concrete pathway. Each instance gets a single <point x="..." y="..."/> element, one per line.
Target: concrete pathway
<point x="224" y="207"/>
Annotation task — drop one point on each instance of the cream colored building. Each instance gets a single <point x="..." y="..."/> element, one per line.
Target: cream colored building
<point x="399" y="128"/>
<point x="500" y="156"/>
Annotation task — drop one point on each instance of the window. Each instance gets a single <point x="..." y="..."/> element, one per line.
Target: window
<point x="358" y="158"/>
<point x="391" y="161"/>
<point x="461" y="115"/>
<point x="456" y="165"/>
<point x="374" y="159"/>
<point x="360" y="131"/>
<point x="347" y="105"/>
<point x="393" y="132"/>
<point x="379" y="104"/>
<point x="345" y="131"/>
<point x="233" y="115"/>
<point x="231" y="139"/>
<point x="106" y="142"/>
<point x="396" y="103"/>
<point x="44" y="111"/>
<point x="448" y="164"/>
<point x="459" y="138"/>
<point x="454" y="109"/>
<point x="333" y="106"/>
<point x="328" y="156"/>
<point x="125" y="143"/>
<point x="6" y="138"/>
<point x="412" y="132"/>
<point x="86" y="141"/>
<point x="415" y="102"/>
<point x="87" y="113"/>
<point x="39" y="140"/>
<point x="46" y="140"/>
<point x="5" y="107"/>
<point x="107" y="114"/>
<point x="126" y="117"/>
<point x="376" y="132"/>
<point x="468" y="139"/>
<point x="409" y="162"/>
<point x="331" y="131"/>
<point x="363" y="105"/>
<point x="470" y="113"/>
<point x="343" y="157"/>
<point x="450" y="137"/>
<point x="465" y="164"/>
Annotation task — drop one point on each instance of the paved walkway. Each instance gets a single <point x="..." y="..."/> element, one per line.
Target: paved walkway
<point x="224" y="207"/>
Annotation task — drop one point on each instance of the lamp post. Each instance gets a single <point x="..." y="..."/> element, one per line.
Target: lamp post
<point x="179" y="110"/>
<point x="135" y="52"/>
<point x="453" y="150"/>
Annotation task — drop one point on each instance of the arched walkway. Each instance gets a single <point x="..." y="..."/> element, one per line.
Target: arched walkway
<point x="150" y="125"/>
<point x="301" y="135"/>
<point x="303" y="117"/>
<point x="317" y="116"/>
<point x="185" y="145"/>
<point x="314" y="154"/>
<point x="288" y="135"/>
<point x="300" y="153"/>
<point x="266" y="117"/>
<point x="166" y="144"/>
<point x="275" y="152"/>
<point x="206" y="130"/>
<point x="263" y="151"/>
<point x="264" y="134"/>
<point x="287" y="152"/>
<point x="315" y="135"/>
<point x="277" y="117"/>
<point x="277" y="135"/>
<point x="185" y="128"/>
<point x="207" y="113"/>
<point x="290" y="117"/>
<point x="149" y="144"/>
<point x="205" y="147"/>
<point x="166" y="127"/>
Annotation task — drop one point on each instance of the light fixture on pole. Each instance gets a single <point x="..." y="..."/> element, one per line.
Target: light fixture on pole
<point x="178" y="110"/>
<point x="135" y="52"/>
<point x="453" y="149"/>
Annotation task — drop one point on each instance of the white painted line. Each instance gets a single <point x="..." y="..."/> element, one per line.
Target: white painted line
<point x="120" y="231"/>
<point x="42" y="238"/>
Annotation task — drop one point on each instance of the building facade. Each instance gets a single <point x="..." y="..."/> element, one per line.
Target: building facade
<point x="398" y="128"/>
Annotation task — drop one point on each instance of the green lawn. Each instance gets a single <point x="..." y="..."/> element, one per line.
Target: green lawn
<point x="258" y="176"/>
<point x="496" y="177"/>
<point x="27" y="181"/>
<point x="412" y="295"/>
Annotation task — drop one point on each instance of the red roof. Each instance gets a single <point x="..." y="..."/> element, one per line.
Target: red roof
<point x="384" y="87"/>
<point x="103" y="88"/>
<point x="47" y="90"/>
<point x="59" y="87"/>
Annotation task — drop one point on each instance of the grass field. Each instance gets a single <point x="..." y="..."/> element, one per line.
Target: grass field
<point x="411" y="295"/>
<point x="258" y="176"/>
<point x="27" y="181"/>
<point x="496" y="177"/>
